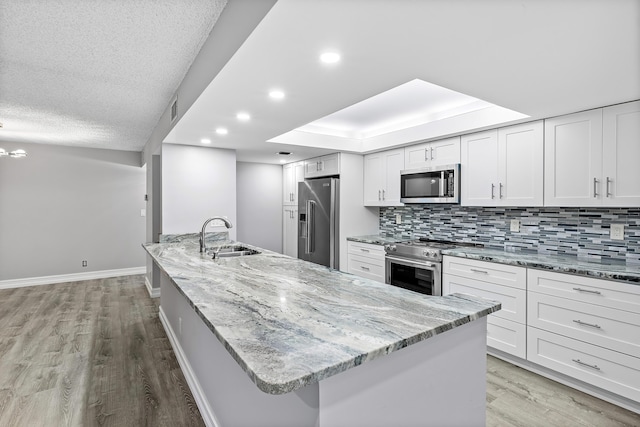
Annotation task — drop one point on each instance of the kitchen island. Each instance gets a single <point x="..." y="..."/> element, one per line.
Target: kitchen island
<point x="271" y="340"/>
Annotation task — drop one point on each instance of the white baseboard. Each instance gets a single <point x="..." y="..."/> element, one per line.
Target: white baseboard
<point x="201" y="401"/>
<point x="153" y="293"/>
<point x="73" y="277"/>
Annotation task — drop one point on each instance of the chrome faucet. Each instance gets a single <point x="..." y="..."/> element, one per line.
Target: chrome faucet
<point x="227" y="223"/>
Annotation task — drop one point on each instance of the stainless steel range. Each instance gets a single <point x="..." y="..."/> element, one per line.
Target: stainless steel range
<point x="417" y="265"/>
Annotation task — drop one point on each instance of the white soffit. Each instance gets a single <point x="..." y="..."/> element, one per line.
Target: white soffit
<point x="413" y="104"/>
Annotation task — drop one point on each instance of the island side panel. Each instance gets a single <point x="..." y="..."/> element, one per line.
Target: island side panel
<point x="224" y="393"/>
<point x="437" y="382"/>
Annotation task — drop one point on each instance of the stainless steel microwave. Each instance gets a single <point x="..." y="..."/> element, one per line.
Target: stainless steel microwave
<point x="438" y="184"/>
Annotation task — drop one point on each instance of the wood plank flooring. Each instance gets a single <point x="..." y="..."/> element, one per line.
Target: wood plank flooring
<point x="90" y="353"/>
<point x="94" y="353"/>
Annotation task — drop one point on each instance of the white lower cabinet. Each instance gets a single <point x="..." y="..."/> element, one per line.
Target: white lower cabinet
<point x="506" y="328"/>
<point x="290" y="231"/>
<point x="366" y="260"/>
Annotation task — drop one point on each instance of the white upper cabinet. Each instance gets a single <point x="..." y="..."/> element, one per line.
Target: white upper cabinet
<point x="591" y="158"/>
<point x="435" y="153"/>
<point x="621" y="155"/>
<point x="503" y="167"/>
<point x="292" y="174"/>
<point x="322" y="166"/>
<point x="382" y="178"/>
<point x="573" y="159"/>
<point x="479" y="168"/>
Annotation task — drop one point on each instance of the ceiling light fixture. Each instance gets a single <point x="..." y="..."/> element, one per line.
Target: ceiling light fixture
<point x="243" y="117"/>
<point x="222" y="131"/>
<point x="330" y="57"/>
<point x="205" y="141"/>
<point x="283" y="161"/>
<point x="276" y="94"/>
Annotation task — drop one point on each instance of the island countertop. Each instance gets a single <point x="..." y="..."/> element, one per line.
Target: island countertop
<point x="289" y="323"/>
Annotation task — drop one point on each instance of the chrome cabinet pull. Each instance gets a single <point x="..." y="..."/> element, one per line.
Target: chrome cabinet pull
<point x="580" y="322"/>
<point x="426" y="154"/>
<point x="588" y="291"/>
<point x="501" y="190"/>
<point x="595" y="187"/>
<point x="492" y="188"/>
<point x="364" y="268"/>
<point x="364" y="250"/>
<point x="382" y="194"/>
<point x="379" y="198"/>
<point x="431" y="153"/>
<point x="580" y="362"/>
<point x="479" y="271"/>
<point x="608" y="190"/>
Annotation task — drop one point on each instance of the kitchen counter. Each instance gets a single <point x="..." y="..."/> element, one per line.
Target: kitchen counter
<point x="289" y="324"/>
<point x="562" y="264"/>
<point x="376" y="239"/>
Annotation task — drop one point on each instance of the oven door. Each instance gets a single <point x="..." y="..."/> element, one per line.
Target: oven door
<point x="419" y="276"/>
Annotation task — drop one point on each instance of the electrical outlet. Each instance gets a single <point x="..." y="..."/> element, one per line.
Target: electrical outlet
<point x="515" y="225"/>
<point x="398" y="219"/>
<point x="616" y="232"/>
<point x="180" y="325"/>
<point x="84" y="263"/>
<point x="143" y="212"/>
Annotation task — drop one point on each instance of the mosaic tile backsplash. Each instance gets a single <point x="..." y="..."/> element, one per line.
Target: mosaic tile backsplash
<point x="579" y="232"/>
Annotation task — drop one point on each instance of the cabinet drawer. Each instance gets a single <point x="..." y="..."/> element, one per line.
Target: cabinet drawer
<point x="506" y="275"/>
<point x="507" y="336"/>
<point x="606" y="327"/>
<point x="607" y="369"/>
<point x="366" y="250"/>
<point x="514" y="301"/>
<point x="365" y="267"/>
<point x="602" y="292"/>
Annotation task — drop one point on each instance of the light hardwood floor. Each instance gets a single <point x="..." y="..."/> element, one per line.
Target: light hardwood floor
<point x="94" y="353"/>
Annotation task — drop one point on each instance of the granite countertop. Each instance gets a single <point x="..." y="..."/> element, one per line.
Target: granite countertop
<point x="289" y="323"/>
<point x="562" y="264"/>
<point x="376" y="239"/>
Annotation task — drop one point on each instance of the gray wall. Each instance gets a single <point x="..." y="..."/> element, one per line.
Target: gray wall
<point x="62" y="205"/>
<point x="259" y="198"/>
<point x="197" y="183"/>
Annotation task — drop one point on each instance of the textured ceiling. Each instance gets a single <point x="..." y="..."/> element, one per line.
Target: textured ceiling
<point x="95" y="73"/>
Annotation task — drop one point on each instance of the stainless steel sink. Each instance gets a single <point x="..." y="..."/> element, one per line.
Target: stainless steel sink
<point x="229" y="251"/>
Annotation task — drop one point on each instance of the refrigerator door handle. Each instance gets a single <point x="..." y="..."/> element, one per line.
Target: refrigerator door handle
<point x="311" y="222"/>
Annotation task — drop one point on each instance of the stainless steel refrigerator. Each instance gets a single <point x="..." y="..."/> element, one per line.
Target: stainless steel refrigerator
<point x="318" y="222"/>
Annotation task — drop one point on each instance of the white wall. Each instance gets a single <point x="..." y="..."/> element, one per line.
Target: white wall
<point x="259" y="198"/>
<point x="197" y="183"/>
<point x="62" y="205"/>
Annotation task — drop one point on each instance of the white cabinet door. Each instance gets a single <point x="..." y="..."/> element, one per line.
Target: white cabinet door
<point x="479" y="168"/>
<point x="322" y="166"/>
<point x="292" y="174"/>
<point x="445" y="152"/>
<point x="290" y="231"/>
<point x="393" y="164"/>
<point x="621" y="155"/>
<point x="573" y="160"/>
<point x="435" y="153"/>
<point x="373" y="176"/>
<point x="521" y="165"/>
<point x="298" y="176"/>
<point x="382" y="178"/>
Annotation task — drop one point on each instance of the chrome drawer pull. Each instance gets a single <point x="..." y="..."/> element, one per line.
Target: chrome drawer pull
<point x="364" y="268"/>
<point x="364" y="250"/>
<point x="479" y="271"/>
<point x="580" y="362"/>
<point x="580" y="322"/>
<point x="587" y="290"/>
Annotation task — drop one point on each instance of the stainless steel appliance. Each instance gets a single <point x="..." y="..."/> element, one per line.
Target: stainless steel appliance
<point x="318" y="226"/>
<point x="417" y="265"/>
<point x="438" y="184"/>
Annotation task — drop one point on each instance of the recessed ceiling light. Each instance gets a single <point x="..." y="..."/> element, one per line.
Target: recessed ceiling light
<point x="283" y="161"/>
<point x="222" y="131"/>
<point x="243" y="117"/>
<point x="276" y="94"/>
<point x="330" y="57"/>
<point x="205" y="141"/>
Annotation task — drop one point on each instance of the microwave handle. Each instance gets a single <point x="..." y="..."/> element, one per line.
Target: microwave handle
<point x="442" y="178"/>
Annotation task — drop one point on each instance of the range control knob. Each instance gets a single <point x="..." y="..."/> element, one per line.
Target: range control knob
<point x="391" y="248"/>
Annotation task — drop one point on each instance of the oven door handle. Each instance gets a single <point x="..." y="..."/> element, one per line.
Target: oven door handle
<point x="412" y="263"/>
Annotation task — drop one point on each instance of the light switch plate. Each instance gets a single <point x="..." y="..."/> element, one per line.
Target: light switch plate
<point x="515" y="225"/>
<point x="143" y="212"/>
<point x="616" y="232"/>
<point x="398" y="219"/>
